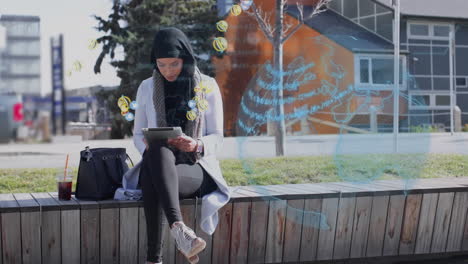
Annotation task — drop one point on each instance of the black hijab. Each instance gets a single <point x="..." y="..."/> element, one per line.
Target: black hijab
<point x="172" y="43"/>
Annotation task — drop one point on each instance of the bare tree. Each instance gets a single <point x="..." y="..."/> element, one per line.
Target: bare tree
<point x="277" y="33"/>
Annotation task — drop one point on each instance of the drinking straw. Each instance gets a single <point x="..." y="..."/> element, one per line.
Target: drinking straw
<point x="66" y="167"/>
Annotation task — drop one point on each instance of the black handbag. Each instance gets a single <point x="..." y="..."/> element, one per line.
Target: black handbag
<point x="100" y="172"/>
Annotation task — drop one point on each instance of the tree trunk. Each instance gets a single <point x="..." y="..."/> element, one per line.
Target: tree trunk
<point x="280" y="126"/>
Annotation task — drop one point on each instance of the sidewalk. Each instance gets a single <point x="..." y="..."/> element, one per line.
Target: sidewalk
<point x="53" y="155"/>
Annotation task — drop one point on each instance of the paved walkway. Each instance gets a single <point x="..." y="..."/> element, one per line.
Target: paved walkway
<point x="53" y="155"/>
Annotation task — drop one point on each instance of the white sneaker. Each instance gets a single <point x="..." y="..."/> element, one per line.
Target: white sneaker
<point x="187" y="242"/>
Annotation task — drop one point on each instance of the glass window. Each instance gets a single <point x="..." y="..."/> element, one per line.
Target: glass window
<point x="19" y="28"/>
<point x="364" y="65"/>
<point x="420" y="100"/>
<point x="442" y="100"/>
<point x="366" y="8"/>
<point x="461" y="64"/>
<point x="381" y="9"/>
<point x="350" y="8"/>
<point x="419" y="30"/>
<point x="422" y="83"/>
<point x="25" y="67"/>
<point x="382" y="71"/>
<point x="441" y="31"/>
<point x="28" y="48"/>
<point x="440" y="60"/>
<point x="385" y="26"/>
<point x="441" y="83"/>
<point x="421" y="62"/>
<point x="368" y="22"/>
<point x="461" y="34"/>
<point x="336" y="5"/>
<point x="461" y="81"/>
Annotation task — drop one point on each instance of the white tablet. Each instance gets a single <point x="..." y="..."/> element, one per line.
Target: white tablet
<point x="158" y="133"/>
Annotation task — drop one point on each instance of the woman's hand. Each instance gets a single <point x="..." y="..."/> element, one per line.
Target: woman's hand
<point x="184" y="143"/>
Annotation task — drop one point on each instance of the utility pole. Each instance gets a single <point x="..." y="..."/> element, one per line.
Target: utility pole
<point x="396" y="73"/>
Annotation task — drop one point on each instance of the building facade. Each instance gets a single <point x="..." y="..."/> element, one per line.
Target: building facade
<point x="354" y="41"/>
<point x="20" y="71"/>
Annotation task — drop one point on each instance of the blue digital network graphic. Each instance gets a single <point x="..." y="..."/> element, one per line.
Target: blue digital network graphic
<point x="258" y="107"/>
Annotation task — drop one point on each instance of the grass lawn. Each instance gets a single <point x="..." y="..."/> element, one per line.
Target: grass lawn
<point x="285" y="170"/>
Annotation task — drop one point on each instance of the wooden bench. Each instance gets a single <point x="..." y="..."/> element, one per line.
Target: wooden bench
<point x="262" y="224"/>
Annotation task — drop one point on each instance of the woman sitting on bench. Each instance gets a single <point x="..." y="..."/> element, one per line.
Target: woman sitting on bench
<point x="184" y="167"/>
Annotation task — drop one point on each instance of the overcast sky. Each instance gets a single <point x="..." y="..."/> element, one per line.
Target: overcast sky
<point x="74" y="20"/>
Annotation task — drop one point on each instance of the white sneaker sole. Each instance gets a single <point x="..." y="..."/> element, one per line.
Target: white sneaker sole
<point x="197" y="249"/>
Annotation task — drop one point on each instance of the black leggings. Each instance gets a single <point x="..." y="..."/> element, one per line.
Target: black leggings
<point x="163" y="182"/>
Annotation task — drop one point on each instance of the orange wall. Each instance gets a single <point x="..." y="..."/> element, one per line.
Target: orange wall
<point x="249" y="48"/>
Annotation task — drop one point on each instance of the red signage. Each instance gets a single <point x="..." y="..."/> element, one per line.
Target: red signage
<point x="18" y="112"/>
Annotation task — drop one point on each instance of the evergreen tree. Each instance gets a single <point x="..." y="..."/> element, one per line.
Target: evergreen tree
<point x="132" y="26"/>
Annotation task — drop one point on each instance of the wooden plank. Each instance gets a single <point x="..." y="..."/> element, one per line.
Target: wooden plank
<point x="393" y="187"/>
<point x="233" y="191"/>
<point x="90" y="233"/>
<point x="314" y="188"/>
<point x="188" y="215"/>
<point x="205" y="255"/>
<point x="442" y="222"/>
<point x="443" y="185"/>
<point x="128" y="235"/>
<point x="70" y="233"/>
<point x="8" y="203"/>
<point x="264" y="191"/>
<point x="31" y="236"/>
<point x="454" y="242"/>
<point x="71" y="204"/>
<point x="11" y="241"/>
<point x="344" y="228"/>
<point x="142" y="238"/>
<point x="252" y="195"/>
<point x="26" y="202"/>
<point x="222" y="235"/>
<point x="272" y="190"/>
<point x="169" y="252"/>
<point x="361" y="226"/>
<point x="426" y="223"/>
<point x="240" y="232"/>
<point x="30" y="227"/>
<point x="327" y="229"/>
<point x="47" y="202"/>
<point x="377" y="224"/>
<point x="310" y="229"/>
<point x="51" y="228"/>
<point x="109" y="226"/>
<point x="70" y="229"/>
<point x="465" y="235"/>
<point x="394" y="221"/>
<point x="293" y="229"/>
<point x="258" y="231"/>
<point x="275" y="233"/>
<point x="1" y="238"/>
<point x="292" y="189"/>
<point x="410" y="224"/>
<point x="324" y="188"/>
<point x="350" y="190"/>
<point x="370" y="187"/>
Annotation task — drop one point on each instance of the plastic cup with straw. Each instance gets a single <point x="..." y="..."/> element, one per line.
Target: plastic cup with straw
<point x="64" y="183"/>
